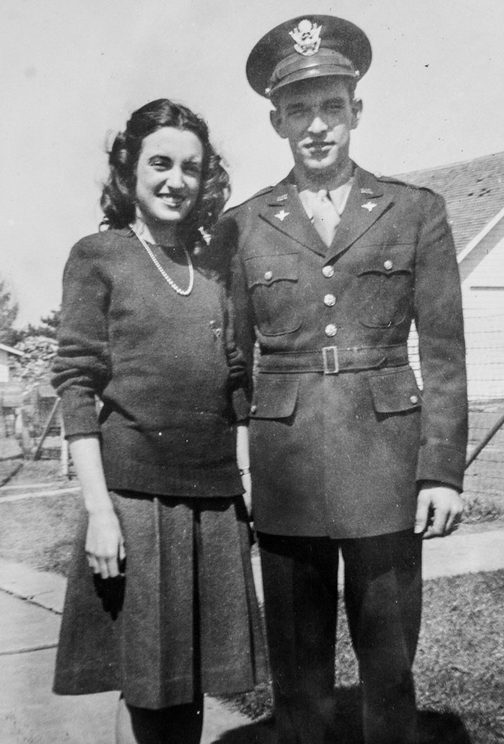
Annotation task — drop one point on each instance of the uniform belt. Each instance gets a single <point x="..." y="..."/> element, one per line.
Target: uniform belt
<point x="331" y="360"/>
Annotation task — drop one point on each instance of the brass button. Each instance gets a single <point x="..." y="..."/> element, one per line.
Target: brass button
<point x="413" y="398"/>
<point x="328" y="272"/>
<point x="388" y="264"/>
<point x="329" y="300"/>
<point x="253" y="409"/>
<point x="330" y="330"/>
<point x="268" y="275"/>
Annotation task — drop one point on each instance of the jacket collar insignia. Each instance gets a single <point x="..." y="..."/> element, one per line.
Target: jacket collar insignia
<point x="361" y="211"/>
<point x="355" y="220"/>
<point x="298" y="227"/>
<point x="282" y="214"/>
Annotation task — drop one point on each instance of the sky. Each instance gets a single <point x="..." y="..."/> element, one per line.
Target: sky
<point x="72" y="71"/>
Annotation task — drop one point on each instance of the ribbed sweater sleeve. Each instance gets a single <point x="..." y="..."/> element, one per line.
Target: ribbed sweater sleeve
<point x="81" y="367"/>
<point x="237" y="367"/>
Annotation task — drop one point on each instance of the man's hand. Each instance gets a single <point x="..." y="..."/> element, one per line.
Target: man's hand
<point x="438" y="507"/>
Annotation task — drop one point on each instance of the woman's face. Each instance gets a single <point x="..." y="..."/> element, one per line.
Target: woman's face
<point x="168" y="176"/>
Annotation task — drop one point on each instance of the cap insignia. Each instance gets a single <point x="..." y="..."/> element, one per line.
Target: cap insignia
<point x="307" y="38"/>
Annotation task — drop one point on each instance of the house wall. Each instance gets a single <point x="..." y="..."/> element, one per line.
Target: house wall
<point x="483" y="302"/>
<point x="483" y="299"/>
<point x="4" y="366"/>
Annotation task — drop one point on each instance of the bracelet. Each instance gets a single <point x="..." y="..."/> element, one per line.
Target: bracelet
<point x="244" y="471"/>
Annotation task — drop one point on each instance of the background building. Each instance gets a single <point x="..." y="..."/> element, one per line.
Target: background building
<point x="474" y="194"/>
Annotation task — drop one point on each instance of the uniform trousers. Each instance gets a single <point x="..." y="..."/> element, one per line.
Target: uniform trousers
<point x="382" y="593"/>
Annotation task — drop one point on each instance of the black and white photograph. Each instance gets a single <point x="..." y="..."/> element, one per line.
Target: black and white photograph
<point x="252" y="372"/>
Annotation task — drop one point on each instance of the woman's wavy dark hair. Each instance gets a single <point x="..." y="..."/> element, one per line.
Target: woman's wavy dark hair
<point x="118" y="195"/>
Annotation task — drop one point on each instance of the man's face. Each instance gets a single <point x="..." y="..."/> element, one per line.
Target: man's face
<point x="317" y="116"/>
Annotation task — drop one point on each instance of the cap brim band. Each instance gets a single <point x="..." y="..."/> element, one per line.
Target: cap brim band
<point x="314" y="72"/>
<point x="295" y="68"/>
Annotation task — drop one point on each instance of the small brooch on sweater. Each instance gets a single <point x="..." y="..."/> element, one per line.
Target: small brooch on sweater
<point x="217" y="330"/>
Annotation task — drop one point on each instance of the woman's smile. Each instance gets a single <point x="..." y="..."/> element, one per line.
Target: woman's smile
<point x="168" y="177"/>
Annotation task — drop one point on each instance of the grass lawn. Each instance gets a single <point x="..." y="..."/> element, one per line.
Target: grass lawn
<point x="459" y="666"/>
<point x="39" y="531"/>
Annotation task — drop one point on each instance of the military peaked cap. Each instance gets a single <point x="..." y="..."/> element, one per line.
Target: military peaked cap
<point x="307" y="47"/>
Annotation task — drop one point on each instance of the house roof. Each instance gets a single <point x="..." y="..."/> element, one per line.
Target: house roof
<point x="473" y="189"/>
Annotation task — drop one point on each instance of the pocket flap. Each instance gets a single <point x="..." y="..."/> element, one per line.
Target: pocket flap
<point x="394" y="390"/>
<point x="269" y="269"/>
<point x="387" y="266"/>
<point x="275" y="396"/>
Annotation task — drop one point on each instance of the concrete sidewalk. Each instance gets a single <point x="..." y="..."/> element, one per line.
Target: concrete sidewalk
<point x="30" y="608"/>
<point x="31" y="603"/>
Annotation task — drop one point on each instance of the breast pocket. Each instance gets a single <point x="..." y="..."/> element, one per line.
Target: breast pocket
<point x="385" y="289"/>
<point x="273" y="283"/>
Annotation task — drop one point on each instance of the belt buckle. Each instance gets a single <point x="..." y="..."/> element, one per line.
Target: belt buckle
<point x="330" y="357"/>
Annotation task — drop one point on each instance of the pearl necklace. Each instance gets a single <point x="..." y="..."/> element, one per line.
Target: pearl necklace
<point x="164" y="274"/>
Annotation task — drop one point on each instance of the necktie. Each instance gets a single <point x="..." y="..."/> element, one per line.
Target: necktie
<point x="325" y="216"/>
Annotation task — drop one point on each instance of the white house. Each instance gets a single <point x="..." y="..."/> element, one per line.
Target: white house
<point x="10" y="401"/>
<point x="5" y="352"/>
<point x="474" y="194"/>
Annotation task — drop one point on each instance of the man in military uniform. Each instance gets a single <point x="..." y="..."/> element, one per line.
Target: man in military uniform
<point x="331" y="266"/>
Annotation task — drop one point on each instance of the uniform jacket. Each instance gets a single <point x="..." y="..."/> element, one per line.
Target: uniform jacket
<point x="340" y="433"/>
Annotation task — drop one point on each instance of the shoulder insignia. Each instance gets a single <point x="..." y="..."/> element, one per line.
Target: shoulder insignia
<point x="406" y="184"/>
<point x="396" y="181"/>
<point x="262" y="192"/>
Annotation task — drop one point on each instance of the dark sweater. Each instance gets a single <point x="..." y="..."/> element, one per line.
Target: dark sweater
<point x="164" y="366"/>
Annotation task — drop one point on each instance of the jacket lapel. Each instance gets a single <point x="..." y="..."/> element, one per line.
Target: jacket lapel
<point x="366" y="204"/>
<point x="284" y="212"/>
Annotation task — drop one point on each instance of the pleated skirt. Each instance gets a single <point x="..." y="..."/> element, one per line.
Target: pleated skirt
<point x="184" y="619"/>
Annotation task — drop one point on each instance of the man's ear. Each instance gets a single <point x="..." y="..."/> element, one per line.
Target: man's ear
<point x="276" y="120"/>
<point x="356" y="112"/>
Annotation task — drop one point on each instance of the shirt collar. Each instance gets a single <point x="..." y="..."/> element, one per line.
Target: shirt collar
<point x="338" y="197"/>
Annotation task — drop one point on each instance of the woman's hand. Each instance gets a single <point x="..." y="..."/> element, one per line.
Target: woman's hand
<point x="104" y="540"/>
<point x="104" y="543"/>
<point x="242" y="457"/>
<point x="247" y="496"/>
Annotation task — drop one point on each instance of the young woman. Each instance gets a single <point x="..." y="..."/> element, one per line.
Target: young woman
<point x="160" y="602"/>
